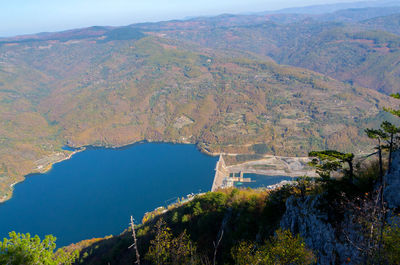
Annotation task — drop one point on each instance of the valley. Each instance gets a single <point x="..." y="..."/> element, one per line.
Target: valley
<point x="121" y="91"/>
<point x="262" y="137"/>
<point x="85" y="190"/>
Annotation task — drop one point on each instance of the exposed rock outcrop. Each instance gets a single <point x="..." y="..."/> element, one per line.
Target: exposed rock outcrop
<point x="392" y="190"/>
<point x="333" y="241"/>
<point x="307" y="217"/>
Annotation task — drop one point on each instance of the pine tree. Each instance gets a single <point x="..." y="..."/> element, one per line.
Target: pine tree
<point x="331" y="160"/>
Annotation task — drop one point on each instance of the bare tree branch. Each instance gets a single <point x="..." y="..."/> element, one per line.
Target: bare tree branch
<point x="134" y="242"/>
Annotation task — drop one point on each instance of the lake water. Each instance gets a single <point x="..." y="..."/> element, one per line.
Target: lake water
<point x="262" y="181"/>
<point x="94" y="193"/>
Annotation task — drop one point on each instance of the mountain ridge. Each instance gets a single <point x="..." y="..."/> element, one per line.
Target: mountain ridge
<point x="109" y="86"/>
<point x="89" y="92"/>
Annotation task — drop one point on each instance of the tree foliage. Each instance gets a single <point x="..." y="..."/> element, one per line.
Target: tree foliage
<point x="391" y="243"/>
<point x="24" y="249"/>
<point x="331" y="160"/>
<point x="386" y="137"/>
<point x="164" y="249"/>
<point x="393" y="111"/>
<point x="282" y="249"/>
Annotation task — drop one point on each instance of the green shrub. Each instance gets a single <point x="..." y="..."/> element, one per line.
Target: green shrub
<point x="283" y="248"/>
<point x="24" y="249"/>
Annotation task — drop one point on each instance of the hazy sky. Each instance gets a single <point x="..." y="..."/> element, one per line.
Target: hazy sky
<point x="32" y="16"/>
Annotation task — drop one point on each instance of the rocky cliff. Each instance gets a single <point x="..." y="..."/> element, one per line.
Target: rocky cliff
<point x="392" y="189"/>
<point x="332" y="238"/>
<point x="308" y="217"/>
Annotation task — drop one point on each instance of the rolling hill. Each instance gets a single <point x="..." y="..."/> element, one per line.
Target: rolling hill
<point x="389" y="23"/>
<point x="116" y="86"/>
<point x="347" y="52"/>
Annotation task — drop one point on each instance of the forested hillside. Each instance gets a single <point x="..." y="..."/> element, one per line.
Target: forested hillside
<point x="354" y="53"/>
<point x="102" y="91"/>
<point x="112" y="86"/>
<point x="386" y="23"/>
<point x="298" y="82"/>
<point x="325" y="221"/>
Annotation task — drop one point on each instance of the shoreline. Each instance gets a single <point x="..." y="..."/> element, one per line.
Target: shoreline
<point x="268" y="165"/>
<point x="42" y="169"/>
<point x="46" y="168"/>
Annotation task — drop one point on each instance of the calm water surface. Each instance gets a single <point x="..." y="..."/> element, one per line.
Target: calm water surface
<point x="262" y="181"/>
<point x="94" y="193"/>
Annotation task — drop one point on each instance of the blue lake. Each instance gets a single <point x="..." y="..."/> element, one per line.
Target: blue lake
<point x="262" y="181"/>
<point x="94" y="193"/>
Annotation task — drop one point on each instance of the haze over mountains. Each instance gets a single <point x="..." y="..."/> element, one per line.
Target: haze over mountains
<point x="295" y="82"/>
<point x="329" y="8"/>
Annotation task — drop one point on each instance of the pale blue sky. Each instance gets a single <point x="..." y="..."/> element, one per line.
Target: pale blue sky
<point x="32" y="16"/>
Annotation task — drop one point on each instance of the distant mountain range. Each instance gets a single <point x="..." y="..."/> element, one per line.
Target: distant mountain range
<point x="295" y="82"/>
<point x="356" y="46"/>
<point x="330" y="8"/>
